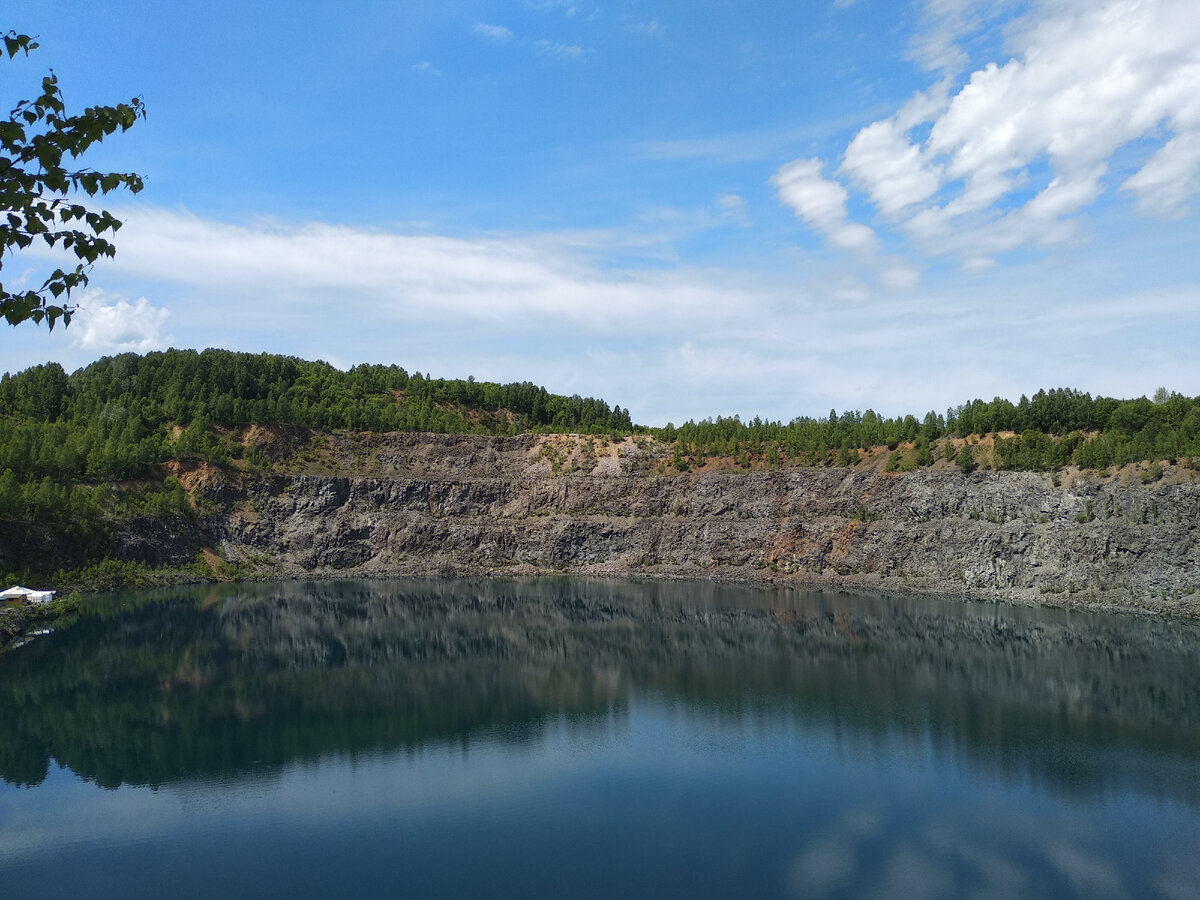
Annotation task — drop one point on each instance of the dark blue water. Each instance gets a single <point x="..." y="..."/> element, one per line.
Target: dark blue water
<point x="596" y="738"/>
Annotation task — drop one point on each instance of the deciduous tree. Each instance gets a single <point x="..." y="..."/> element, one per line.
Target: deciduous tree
<point x="40" y="186"/>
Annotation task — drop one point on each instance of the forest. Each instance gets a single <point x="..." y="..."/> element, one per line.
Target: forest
<point x="65" y="436"/>
<point x="67" y="439"/>
<point x="1051" y="430"/>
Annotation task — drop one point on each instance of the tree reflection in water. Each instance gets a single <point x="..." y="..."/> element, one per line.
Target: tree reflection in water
<point x="154" y="688"/>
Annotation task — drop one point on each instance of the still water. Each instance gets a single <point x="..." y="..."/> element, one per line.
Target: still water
<point x="576" y="738"/>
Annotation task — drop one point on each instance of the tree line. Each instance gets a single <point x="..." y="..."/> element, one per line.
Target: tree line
<point x="1051" y="430"/>
<point x="121" y="416"/>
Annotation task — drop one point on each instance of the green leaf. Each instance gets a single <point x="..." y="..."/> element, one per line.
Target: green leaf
<point x="34" y="186"/>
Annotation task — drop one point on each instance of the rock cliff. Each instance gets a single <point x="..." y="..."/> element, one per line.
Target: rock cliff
<point x="400" y="504"/>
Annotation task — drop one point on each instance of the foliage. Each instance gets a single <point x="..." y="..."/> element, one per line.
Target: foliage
<point x="1047" y="432"/>
<point x="123" y="415"/>
<point x="79" y="453"/>
<point x="901" y="461"/>
<point x="111" y="574"/>
<point x="966" y="459"/>
<point x="39" y="188"/>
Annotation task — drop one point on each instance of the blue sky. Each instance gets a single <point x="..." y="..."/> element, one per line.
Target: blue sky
<point x="686" y="208"/>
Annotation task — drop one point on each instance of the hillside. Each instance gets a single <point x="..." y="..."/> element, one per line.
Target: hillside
<point x="394" y="504"/>
<point x="184" y="465"/>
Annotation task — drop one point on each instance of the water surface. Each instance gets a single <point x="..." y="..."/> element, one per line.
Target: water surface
<point x="569" y="737"/>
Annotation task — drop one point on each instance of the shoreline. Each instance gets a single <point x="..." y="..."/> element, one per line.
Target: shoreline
<point x="17" y="623"/>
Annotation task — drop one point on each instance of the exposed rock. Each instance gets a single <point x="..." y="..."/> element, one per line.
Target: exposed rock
<point x="478" y="504"/>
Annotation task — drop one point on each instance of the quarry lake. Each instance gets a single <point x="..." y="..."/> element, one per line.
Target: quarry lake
<point x="575" y="738"/>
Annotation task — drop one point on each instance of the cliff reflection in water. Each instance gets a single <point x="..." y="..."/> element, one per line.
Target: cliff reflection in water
<point x="165" y="687"/>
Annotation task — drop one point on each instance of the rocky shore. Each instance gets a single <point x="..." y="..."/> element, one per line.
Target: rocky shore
<point x="402" y="504"/>
<point x="385" y="505"/>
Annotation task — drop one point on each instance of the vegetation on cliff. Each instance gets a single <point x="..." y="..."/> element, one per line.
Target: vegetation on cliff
<point x="1049" y="431"/>
<point x="84" y="455"/>
<point x="80" y="453"/>
<point x="122" y="417"/>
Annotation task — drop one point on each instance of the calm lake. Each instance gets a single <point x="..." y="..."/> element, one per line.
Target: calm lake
<point x="593" y="738"/>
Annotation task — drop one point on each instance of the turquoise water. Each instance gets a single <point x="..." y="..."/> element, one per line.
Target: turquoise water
<point x="569" y="737"/>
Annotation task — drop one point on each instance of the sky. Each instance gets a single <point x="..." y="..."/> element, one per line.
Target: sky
<point x="689" y="208"/>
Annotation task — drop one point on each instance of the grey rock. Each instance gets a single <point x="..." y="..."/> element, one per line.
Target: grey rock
<point x="470" y="504"/>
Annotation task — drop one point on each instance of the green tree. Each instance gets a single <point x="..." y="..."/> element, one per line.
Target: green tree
<point x="39" y="186"/>
<point x="966" y="459"/>
<point x="924" y="455"/>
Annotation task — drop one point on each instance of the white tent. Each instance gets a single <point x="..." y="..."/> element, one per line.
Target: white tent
<point x="29" y="596"/>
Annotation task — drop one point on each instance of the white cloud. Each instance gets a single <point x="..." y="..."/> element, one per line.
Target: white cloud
<point x="900" y="277"/>
<point x="557" y="50"/>
<point x="412" y="277"/>
<point x="977" y="263"/>
<point x="495" y="33"/>
<point x="427" y="68"/>
<point x="750" y="146"/>
<point x="892" y="171"/>
<point x="118" y="326"/>
<point x="723" y="149"/>
<point x="499" y="34"/>
<point x="1172" y="175"/>
<point x="820" y="204"/>
<point x="569" y="8"/>
<point x="733" y="208"/>
<point x="851" y="289"/>
<point x="570" y="311"/>
<point x="649" y="28"/>
<point x="948" y="23"/>
<point x="1014" y="155"/>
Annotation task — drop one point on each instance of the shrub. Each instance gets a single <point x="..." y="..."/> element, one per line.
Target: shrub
<point x="966" y="459"/>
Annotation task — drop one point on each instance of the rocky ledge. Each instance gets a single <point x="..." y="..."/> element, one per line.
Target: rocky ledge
<point x="405" y="504"/>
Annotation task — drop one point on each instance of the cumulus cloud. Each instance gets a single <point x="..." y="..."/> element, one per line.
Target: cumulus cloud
<point x="821" y="204"/>
<point x="109" y="325"/>
<point x="1012" y="156"/>
<point x="890" y="169"/>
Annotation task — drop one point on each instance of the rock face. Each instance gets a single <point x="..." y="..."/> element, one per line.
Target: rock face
<point x="469" y="504"/>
